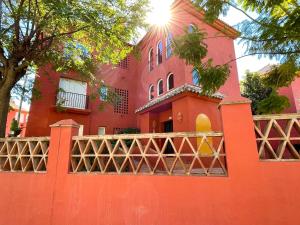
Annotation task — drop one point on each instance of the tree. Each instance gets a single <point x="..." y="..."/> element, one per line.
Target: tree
<point x="265" y="99"/>
<point x="274" y="32"/>
<point x="70" y="34"/>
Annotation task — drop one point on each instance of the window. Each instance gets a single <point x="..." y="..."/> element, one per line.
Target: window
<point x="150" y="59"/>
<point x="151" y="92"/>
<point x="101" y="130"/>
<point x="72" y="94"/>
<point x="103" y="93"/>
<point x="170" y="81"/>
<point x="159" y="52"/>
<point x="169" y="46"/>
<point x="195" y="77"/>
<point x="121" y="106"/>
<point x="160" y="87"/>
<point x="191" y="28"/>
<point x="123" y="64"/>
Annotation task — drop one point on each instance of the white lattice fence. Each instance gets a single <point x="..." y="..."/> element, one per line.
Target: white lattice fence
<point x="24" y="155"/>
<point x="278" y="137"/>
<point x="199" y="154"/>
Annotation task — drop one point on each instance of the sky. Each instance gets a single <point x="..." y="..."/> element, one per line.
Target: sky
<point x="233" y="17"/>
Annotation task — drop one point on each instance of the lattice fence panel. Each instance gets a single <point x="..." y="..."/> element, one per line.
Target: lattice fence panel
<point x="278" y="137"/>
<point x="24" y="155"/>
<point x="197" y="154"/>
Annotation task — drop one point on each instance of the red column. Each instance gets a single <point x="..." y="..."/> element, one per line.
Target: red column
<point x="61" y="144"/>
<point x="239" y="134"/>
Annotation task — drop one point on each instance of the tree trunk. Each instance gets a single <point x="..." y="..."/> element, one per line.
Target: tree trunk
<point x="4" y="108"/>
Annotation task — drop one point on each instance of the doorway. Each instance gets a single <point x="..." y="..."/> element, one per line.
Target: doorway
<point x="168" y="128"/>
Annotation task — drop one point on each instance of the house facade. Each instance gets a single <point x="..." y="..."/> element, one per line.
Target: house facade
<point x="158" y="91"/>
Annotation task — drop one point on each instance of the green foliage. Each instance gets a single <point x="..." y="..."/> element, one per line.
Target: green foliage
<point x="14" y="128"/>
<point x="274" y="32"/>
<point x="211" y="78"/>
<point x="274" y="103"/>
<point x="264" y="95"/>
<point x="282" y="75"/>
<point x="191" y="48"/>
<point x="254" y="88"/>
<point x="71" y="35"/>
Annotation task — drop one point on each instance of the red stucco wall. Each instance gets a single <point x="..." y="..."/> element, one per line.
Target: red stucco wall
<point x="136" y="79"/>
<point x="255" y="192"/>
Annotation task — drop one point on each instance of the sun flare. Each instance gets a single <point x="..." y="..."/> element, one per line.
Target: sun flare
<point x="160" y="14"/>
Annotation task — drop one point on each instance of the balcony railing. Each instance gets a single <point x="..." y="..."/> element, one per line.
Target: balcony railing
<point x="192" y="154"/>
<point x="72" y="100"/>
<point x="278" y="137"/>
<point x="24" y="154"/>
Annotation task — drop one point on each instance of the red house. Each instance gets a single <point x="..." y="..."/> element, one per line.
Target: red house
<point x="158" y="92"/>
<point x="13" y="114"/>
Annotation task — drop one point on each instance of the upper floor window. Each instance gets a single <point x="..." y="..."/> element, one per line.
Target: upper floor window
<point x="195" y="77"/>
<point x="169" y="46"/>
<point x="160" y="87"/>
<point x="159" y="52"/>
<point x="150" y="59"/>
<point x="103" y="93"/>
<point x="191" y="28"/>
<point x="72" y="94"/>
<point x="170" y="81"/>
<point x="151" y="92"/>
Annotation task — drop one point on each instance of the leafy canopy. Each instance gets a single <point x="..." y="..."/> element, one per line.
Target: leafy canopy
<point x="273" y="31"/>
<point x="263" y="94"/>
<point x="71" y="34"/>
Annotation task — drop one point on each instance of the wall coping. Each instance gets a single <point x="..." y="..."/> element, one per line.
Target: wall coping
<point x="66" y="123"/>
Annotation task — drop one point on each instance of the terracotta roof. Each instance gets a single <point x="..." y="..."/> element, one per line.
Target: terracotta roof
<point x="177" y="91"/>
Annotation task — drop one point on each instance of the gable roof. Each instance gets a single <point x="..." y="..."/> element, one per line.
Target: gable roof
<point x="176" y="91"/>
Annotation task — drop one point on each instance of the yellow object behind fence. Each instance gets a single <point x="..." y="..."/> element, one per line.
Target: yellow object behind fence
<point x="203" y="124"/>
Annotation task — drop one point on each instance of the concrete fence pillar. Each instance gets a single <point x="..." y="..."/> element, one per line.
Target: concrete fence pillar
<point x="239" y="134"/>
<point x="61" y="144"/>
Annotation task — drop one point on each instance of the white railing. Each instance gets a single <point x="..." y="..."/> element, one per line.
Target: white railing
<point x="199" y="154"/>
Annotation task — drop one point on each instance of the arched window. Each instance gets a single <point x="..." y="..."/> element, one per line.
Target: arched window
<point x="191" y="28"/>
<point x="170" y="81"/>
<point x="160" y="87"/>
<point x="150" y="59"/>
<point x="195" y="76"/>
<point x="169" y="46"/>
<point x="151" y="92"/>
<point x="159" y="52"/>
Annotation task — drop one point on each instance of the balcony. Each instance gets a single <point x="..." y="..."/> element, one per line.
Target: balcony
<point x="72" y="100"/>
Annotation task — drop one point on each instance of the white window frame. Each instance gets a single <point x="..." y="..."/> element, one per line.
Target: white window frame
<point x="103" y="129"/>
<point x="102" y="98"/>
<point x="157" y="51"/>
<point x="149" y="92"/>
<point x="168" y="77"/>
<point x="158" y="82"/>
<point x="149" y="59"/>
<point x="73" y="87"/>
<point x="167" y="45"/>
<point x="191" y="25"/>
